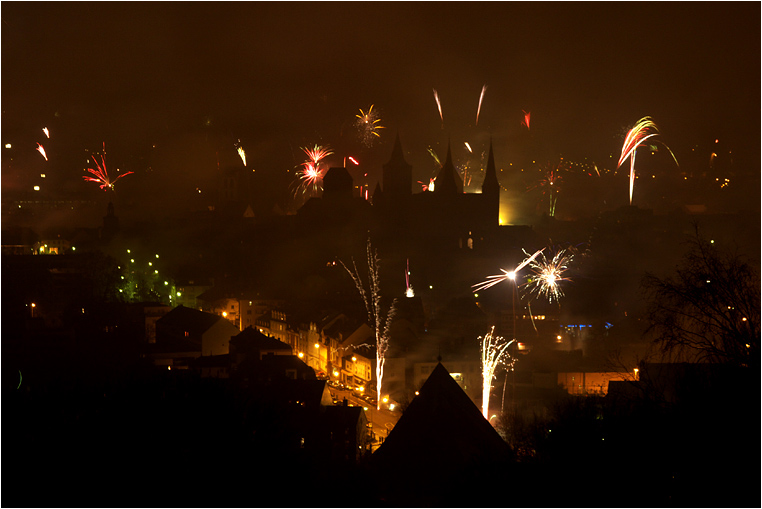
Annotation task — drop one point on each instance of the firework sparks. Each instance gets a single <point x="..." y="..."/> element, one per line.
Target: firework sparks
<point x="409" y="292"/>
<point x="371" y="297"/>
<point x="367" y="125"/>
<point x="41" y="150"/>
<point x="525" y="121"/>
<point x="635" y="138"/>
<point x="47" y="133"/>
<point x="550" y="184"/>
<point x="547" y="274"/>
<point x="436" y="158"/>
<point x="428" y="187"/>
<point x="494" y="352"/>
<point x="439" y="106"/>
<point x="643" y="130"/>
<point x="469" y="147"/>
<point x="242" y="153"/>
<point x="312" y="172"/>
<point x="479" y="109"/>
<point x="506" y="275"/>
<point x="100" y="175"/>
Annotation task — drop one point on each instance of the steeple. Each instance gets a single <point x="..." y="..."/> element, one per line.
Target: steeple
<point x="490" y="183"/>
<point x="397" y="174"/>
<point x="491" y="190"/>
<point x="378" y="195"/>
<point x="448" y="181"/>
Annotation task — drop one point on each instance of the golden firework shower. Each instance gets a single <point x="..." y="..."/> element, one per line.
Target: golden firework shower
<point x="494" y="351"/>
<point x="367" y="124"/>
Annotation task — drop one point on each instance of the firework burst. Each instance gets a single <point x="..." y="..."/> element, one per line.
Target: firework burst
<point x="409" y="292"/>
<point x="428" y="187"/>
<point x="550" y="185"/>
<point x="506" y="275"/>
<point x="100" y="176"/>
<point x="547" y="274"/>
<point x="241" y="152"/>
<point x="494" y="350"/>
<point x="525" y="120"/>
<point x="41" y="150"/>
<point x="312" y="172"/>
<point x="643" y="130"/>
<point x="367" y="125"/>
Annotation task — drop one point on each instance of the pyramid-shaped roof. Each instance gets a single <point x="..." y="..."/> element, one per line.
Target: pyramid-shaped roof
<point x="441" y="429"/>
<point x="189" y="319"/>
<point x="448" y="181"/>
<point x="397" y="159"/>
<point x="251" y="339"/>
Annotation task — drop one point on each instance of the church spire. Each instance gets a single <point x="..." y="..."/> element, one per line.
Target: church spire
<point x="491" y="190"/>
<point x="397" y="174"/>
<point x="448" y="181"/>
<point x="397" y="155"/>
<point x="490" y="183"/>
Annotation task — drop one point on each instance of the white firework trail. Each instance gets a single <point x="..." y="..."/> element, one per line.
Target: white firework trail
<point x="494" y="352"/>
<point x="371" y="297"/>
<point x="481" y="97"/>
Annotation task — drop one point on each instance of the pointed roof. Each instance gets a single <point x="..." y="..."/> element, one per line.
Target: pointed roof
<point x="189" y="319"/>
<point x="397" y="158"/>
<point x="377" y="194"/>
<point x="490" y="173"/>
<point x="448" y="181"/>
<point x="250" y="339"/>
<point x="337" y="183"/>
<point x="442" y="429"/>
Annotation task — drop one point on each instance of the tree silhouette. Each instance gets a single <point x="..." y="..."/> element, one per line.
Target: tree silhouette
<point x="709" y="311"/>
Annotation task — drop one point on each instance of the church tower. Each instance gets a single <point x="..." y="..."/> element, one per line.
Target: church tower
<point x="110" y="223"/>
<point x="397" y="176"/>
<point x="448" y="181"/>
<point x="491" y="191"/>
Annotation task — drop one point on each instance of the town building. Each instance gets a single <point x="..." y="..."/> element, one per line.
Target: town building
<point x="184" y="334"/>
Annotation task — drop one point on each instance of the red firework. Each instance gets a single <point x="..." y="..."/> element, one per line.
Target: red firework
<point x="100" y="175"/>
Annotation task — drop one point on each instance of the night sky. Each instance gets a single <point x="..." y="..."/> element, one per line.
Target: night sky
<point x="172" y="87"/>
